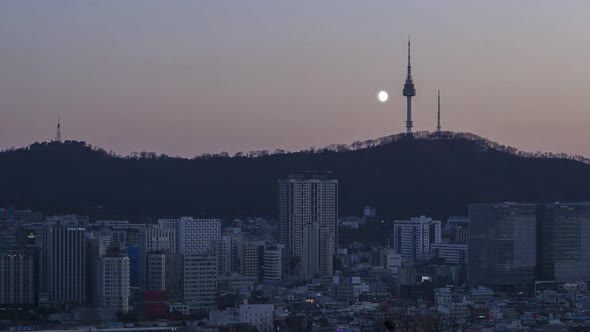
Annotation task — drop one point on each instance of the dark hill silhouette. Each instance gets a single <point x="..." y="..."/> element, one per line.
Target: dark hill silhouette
<point x="430" y="174"/>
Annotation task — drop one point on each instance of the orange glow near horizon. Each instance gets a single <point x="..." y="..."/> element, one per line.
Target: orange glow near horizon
<point x="186" y="78"/>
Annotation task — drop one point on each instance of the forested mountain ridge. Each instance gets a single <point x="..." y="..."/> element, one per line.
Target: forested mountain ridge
<point x="429" y="174"/>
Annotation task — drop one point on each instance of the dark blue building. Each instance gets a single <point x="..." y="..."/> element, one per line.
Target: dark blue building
<point x="134" y="271"/>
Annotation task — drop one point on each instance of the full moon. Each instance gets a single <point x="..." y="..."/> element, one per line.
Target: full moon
<point x="382" y="96"/>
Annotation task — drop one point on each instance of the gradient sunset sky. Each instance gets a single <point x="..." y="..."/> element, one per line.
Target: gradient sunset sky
<point x="189" y="77"/>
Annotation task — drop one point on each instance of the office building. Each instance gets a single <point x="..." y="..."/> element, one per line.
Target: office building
<point x="12" y="215"/>
<point x="119" y="237"/>
<point x="251" y="259"/>
<point x="236" y="253"/>
<point x="229" y="253"/>
<point x="223" y="253"/>
<point x="308" y="198"/>
<point x="390" y="260"/>
<point x="413" y="238"/>
<point x="369" y="212"/>
<point x="194" y="236"/>
<point x="156" y="271"/>
<point x="155" y="239"/>
<point x="69" y="219"/>
<point x="457" y="229"/>
<point x="502" y="244"/>
<point x="565" y="242"/>
<point x="273" y="263"/>
<point x="94" y="250"/>
<point x="200" y="281"/>
<point x="164" y="273"/>
<point x="450" y="253"/>
<point x="235" y="281"/>
<point x="259" y="315"/>
<point x="133" y="252"/>
<point x="64" y="264"/>
<point x="531" y="242"/>
<point x="198" y="235"/>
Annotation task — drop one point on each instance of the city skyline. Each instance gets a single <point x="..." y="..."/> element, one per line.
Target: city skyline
<point x="178" y="79"/>
<point x="185" y="166"/>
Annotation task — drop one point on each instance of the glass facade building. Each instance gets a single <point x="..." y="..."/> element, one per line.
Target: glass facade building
<point x="518" y="244"/>
<point x="502" y="244"/>
<point x="565" y="242"/>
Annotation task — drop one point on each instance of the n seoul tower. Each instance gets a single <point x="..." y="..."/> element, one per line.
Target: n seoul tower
<point x="409" y="92"/>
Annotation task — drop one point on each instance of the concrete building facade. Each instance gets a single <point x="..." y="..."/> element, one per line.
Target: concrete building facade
<point x="413" y="238"/>
<point x="307" y="198"/>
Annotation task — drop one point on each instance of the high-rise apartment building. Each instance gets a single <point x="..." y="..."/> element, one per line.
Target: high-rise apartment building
<point x="64" y="264"/>
<point x="310" y="258"/>
<point x="307" y="198"/>
<point x="413" y="238"/>
<point x="113" y="283"/>
<point x="18" y="278"/>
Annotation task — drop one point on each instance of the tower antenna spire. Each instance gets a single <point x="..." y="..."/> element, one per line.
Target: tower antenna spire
<point x="409" y="91"/>
<point x="58" y="134"/>
<point x="438" y="114"/>
<point x="409" y="57"/>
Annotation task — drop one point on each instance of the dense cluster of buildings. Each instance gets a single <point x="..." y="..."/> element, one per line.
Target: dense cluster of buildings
<point x="495" y="268"/>
<point x="178" y="266"/>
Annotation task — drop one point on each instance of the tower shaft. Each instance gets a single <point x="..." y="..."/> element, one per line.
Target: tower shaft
<point x="58" y="134"/>
<point x="409" y="123"/>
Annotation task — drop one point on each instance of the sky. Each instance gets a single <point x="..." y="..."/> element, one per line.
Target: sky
<point x="192" y="77"/>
